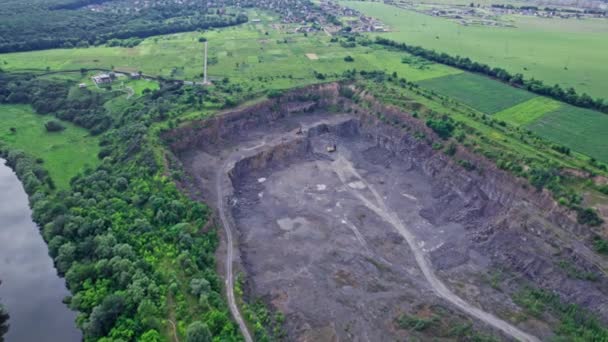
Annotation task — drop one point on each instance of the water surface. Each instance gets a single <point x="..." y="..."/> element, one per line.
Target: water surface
<point x="31" y="289"/>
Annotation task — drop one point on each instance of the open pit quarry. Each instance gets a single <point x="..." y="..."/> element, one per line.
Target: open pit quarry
<point x="343" y="219"/>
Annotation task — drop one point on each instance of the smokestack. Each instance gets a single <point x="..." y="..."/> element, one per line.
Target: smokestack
<point x="205" y="67"/>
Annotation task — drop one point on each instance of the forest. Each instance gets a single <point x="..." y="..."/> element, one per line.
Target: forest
<point x="32" y="25"/>
<point x="132" y="247"/>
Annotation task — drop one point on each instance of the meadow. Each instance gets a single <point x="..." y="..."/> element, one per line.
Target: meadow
<point x="571" y="53"/>
<point x="479" y="92"/>
<point x="64" y="153"/>
<point x="257" y="55"/>
<point x="580" y="129"/>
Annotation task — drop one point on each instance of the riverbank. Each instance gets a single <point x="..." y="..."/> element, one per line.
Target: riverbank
<point x="31" y="290"/>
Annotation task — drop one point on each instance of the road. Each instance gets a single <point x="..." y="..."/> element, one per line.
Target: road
<point x="345" y="171"/>
<point x="236" y="314"/>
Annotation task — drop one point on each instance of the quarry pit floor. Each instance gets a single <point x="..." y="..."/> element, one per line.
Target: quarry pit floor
<point x="341" y="242"/>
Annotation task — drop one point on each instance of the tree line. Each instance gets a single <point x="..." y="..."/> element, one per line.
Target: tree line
<point x="556" y="92"/>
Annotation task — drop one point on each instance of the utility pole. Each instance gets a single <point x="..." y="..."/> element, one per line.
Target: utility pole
<point x="205" y="81"/>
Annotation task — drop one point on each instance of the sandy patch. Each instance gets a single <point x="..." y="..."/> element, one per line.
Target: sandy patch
<point x="312" y="56"/>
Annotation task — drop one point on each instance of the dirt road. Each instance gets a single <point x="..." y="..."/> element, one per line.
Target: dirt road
<point x="347" y="173"/>
<point x="236" y="314"/>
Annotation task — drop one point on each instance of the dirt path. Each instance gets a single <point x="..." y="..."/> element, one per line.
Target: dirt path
<point x="346" y="172"/>
<point x="236" y="314"/>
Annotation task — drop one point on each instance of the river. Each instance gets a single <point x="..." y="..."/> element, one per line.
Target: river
<point x="31" y="290"/>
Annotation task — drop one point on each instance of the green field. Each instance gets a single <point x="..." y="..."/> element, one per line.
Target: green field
<point x="245" y="54"/>
<point x="580" y="129"/>
<point x="479" y="92"/>
<point x="527" y="112"/>
<point x="570" y="52"/>
<point x="65" y="153"/>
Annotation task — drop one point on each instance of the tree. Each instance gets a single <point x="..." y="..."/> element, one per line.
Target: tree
<point x="104" y="316"/>
<point x="3" y="321"/>
<point x="151" y="336"/>
<point x="349" y="58"/>
<point x="53" y="126"/>
<point x="198" y="332"/>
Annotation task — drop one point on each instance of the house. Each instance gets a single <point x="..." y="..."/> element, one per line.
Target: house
<point x="102" y="79"/>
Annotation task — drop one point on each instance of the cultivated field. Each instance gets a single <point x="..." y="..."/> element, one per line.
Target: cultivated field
<point x="580" y="129"/>
<point x="569" y="52"/>
<point x="64" y="153"/>
<point x="527" y="112"/>
<point x="479" y="92"/>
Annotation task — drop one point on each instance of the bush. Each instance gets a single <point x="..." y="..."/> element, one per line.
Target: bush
<point x="54" y="126"/>
<point x="600" y="245"/>
<point x="466" y="164"/>
<point x="451" y="149"/>
<point x="416" y="323"/>
<point x="349" y="59"/>
<point x="588" y="216"/>
<point x="443" y="128"/>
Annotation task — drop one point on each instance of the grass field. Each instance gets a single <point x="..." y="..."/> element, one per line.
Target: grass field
<point x="529" y="111"/>
<point x="64" y="153"/>
<point x="580" y="129"/>
<point x="571" y="52"/>
<point x="245" y="54"/>
<point x="479" y="92"/>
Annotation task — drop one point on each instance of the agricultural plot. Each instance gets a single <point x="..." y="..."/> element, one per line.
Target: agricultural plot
<point x="527" y="112"/>
<point x="64" y="153"/>
<point x="257" y="56"/>
<point x="568" y="52"/>
<point x="580" y="129"/>
<point x="479" y="92"/>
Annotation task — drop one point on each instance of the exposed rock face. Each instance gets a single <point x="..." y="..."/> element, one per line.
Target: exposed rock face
<point x="477" y="221"/>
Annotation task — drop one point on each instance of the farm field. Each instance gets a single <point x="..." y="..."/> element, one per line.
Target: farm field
<point x="527" y="112"/>
<point x="64" y="153"/>
<point x="580" y="129"/>
<point x="479" y="92"/>
<point x="244" y="54"/>
<point x="568" y="52"/>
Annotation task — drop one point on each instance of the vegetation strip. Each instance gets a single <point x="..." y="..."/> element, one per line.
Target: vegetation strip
<point x="527" y="112"/>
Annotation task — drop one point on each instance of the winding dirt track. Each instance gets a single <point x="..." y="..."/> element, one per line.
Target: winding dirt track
<point x="236" y="314"/>
<point x="345" y="170"/>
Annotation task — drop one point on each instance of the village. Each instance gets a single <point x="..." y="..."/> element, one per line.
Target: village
<point x="492" y="15"/>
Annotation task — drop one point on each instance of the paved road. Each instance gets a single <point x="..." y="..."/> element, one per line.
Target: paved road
<point x="236" y="314"/>
<point x="345" y="171"/>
